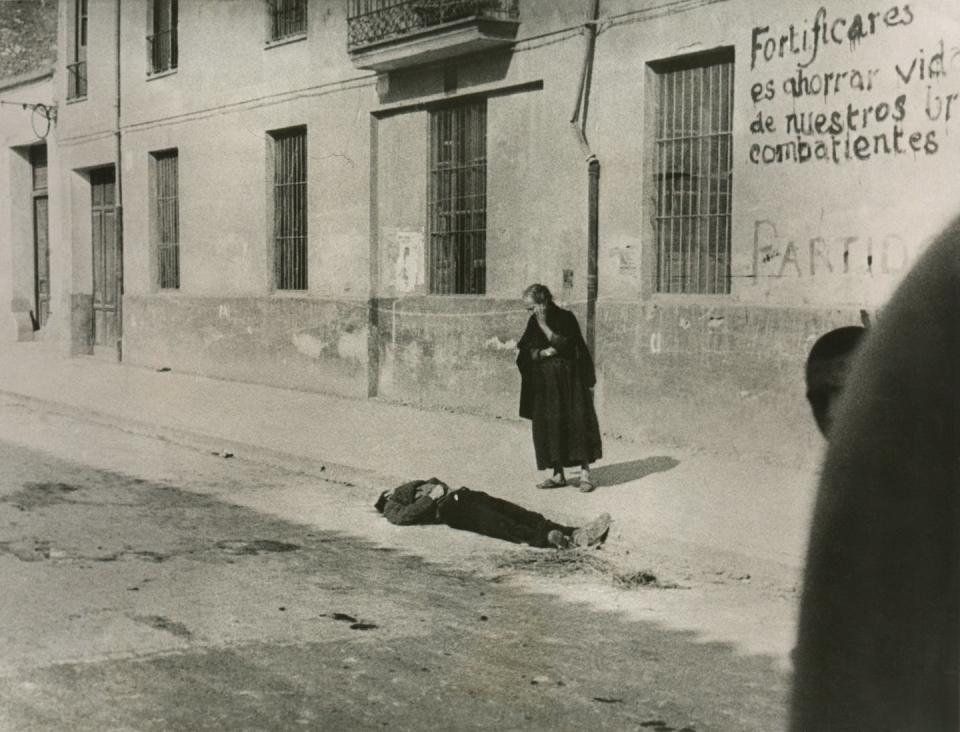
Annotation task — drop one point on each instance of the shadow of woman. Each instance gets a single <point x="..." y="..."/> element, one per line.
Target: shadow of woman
<point x="618" y="473"/>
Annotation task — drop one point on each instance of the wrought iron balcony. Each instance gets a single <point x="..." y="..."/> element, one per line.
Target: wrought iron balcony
<point x="162" y="51"/>
<point x="389" y="34"/>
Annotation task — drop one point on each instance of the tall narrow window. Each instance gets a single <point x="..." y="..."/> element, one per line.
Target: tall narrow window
<point x="290" y="208"/>
<point x="41" y="240"/>
<point x="77" y="53"/>
<point x="693" y="173"/>
<point x="288" y="18"/>
<point x="458" y="199"/>
<point x="162" y="43"/>
<point x="167" y="218"/>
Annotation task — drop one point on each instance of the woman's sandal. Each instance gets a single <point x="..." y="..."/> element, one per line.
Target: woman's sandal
<point x="553" y="482"/>
<point x="586" y="485"/>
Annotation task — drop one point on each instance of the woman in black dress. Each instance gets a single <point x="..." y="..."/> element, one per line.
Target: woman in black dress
<point x="557" y="378"/>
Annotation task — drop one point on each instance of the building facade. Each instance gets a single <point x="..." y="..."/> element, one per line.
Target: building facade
<point x="27" y="117"/>
<point x="25" y="103"/>
<point x="349" y="196"/>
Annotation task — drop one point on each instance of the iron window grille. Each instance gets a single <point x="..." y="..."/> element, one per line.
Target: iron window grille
<point x="693" y="173"/>
<point x="290" y="209"/>
<point x="369" y="21"/>
<point x="38" y="164"/>
<point x="162" y="50"/>
<point x="288" y="18"/>
<point x="167" y="212"/>
<point x="458" y="199"/>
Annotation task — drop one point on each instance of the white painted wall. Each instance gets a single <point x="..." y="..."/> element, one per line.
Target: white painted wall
<point x="17" y="133"/>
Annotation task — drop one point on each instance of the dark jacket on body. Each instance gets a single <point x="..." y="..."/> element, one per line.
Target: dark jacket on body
<point x="410" y="503"/>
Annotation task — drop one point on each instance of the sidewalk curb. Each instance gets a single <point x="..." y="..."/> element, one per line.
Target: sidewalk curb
<point x="326" y="470"/>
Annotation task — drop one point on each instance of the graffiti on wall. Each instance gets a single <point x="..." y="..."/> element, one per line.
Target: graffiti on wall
<point x="841" y="115"/>
<point x="854" y="254"/>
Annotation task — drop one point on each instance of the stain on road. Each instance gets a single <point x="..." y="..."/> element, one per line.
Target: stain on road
<point x="158" y="622"/>
<point x="256" y="546"/>
<point x="40" y="495"/>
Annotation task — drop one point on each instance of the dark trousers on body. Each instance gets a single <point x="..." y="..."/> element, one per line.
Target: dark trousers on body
<point x="484" y="514"/>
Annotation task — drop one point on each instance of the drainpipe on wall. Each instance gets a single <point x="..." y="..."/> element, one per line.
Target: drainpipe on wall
<point x="578" y="123"/>
<point x="118" y="201"/>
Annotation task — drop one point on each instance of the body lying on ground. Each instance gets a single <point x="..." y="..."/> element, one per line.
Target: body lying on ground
<point x="432" y="501"/>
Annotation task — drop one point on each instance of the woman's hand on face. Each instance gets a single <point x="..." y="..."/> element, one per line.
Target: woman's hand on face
<point x="541" y="312"/>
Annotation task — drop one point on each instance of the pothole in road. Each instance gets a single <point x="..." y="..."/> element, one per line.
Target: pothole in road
<point x="256" y="546"/>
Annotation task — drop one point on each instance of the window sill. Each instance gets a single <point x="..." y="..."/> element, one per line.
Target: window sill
<point x="75" y="100"/>
<point x="290" y="294"/>
<point x="285" y="41"/>
<point x="692" y="298"/>
<point x="161" y="74"/>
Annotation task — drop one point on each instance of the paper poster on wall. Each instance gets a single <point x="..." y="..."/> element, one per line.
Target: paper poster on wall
<point x="409" y="268"/>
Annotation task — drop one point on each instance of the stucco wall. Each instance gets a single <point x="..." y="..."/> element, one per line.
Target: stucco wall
<point x="460" y="355"/>
<point x="302" y="343"/>
<point x="724" y="377"/>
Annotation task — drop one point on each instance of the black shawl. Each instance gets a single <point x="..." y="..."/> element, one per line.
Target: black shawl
<point x="569" y="344"/>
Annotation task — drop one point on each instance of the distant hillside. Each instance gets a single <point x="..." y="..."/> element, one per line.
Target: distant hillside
<point x="28" y="36"/>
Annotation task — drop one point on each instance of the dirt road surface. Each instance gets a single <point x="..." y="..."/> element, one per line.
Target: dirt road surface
<point x="150" y="586"/>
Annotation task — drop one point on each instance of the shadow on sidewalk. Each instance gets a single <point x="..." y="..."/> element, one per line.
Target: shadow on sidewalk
<point x="618" y="473"/>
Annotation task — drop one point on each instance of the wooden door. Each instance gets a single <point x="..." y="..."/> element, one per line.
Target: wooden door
<point x="106" y="259"/>
<point x="41" y="254"/>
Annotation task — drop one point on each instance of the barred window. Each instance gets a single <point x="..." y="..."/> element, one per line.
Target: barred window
<point x="693" y="173"/>
<point x="458" y="199"/>
<point x="162" y="50"/>
<point x="288" y="18"/>
<point x="290" y="208"/>
<point x="38" y="164"/>
<point x="167" y="218"/>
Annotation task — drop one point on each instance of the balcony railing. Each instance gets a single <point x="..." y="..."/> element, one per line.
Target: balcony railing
<point x="370" y="21"/>
<point x="77" y="80"/>
<point x="162" y="51"/>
